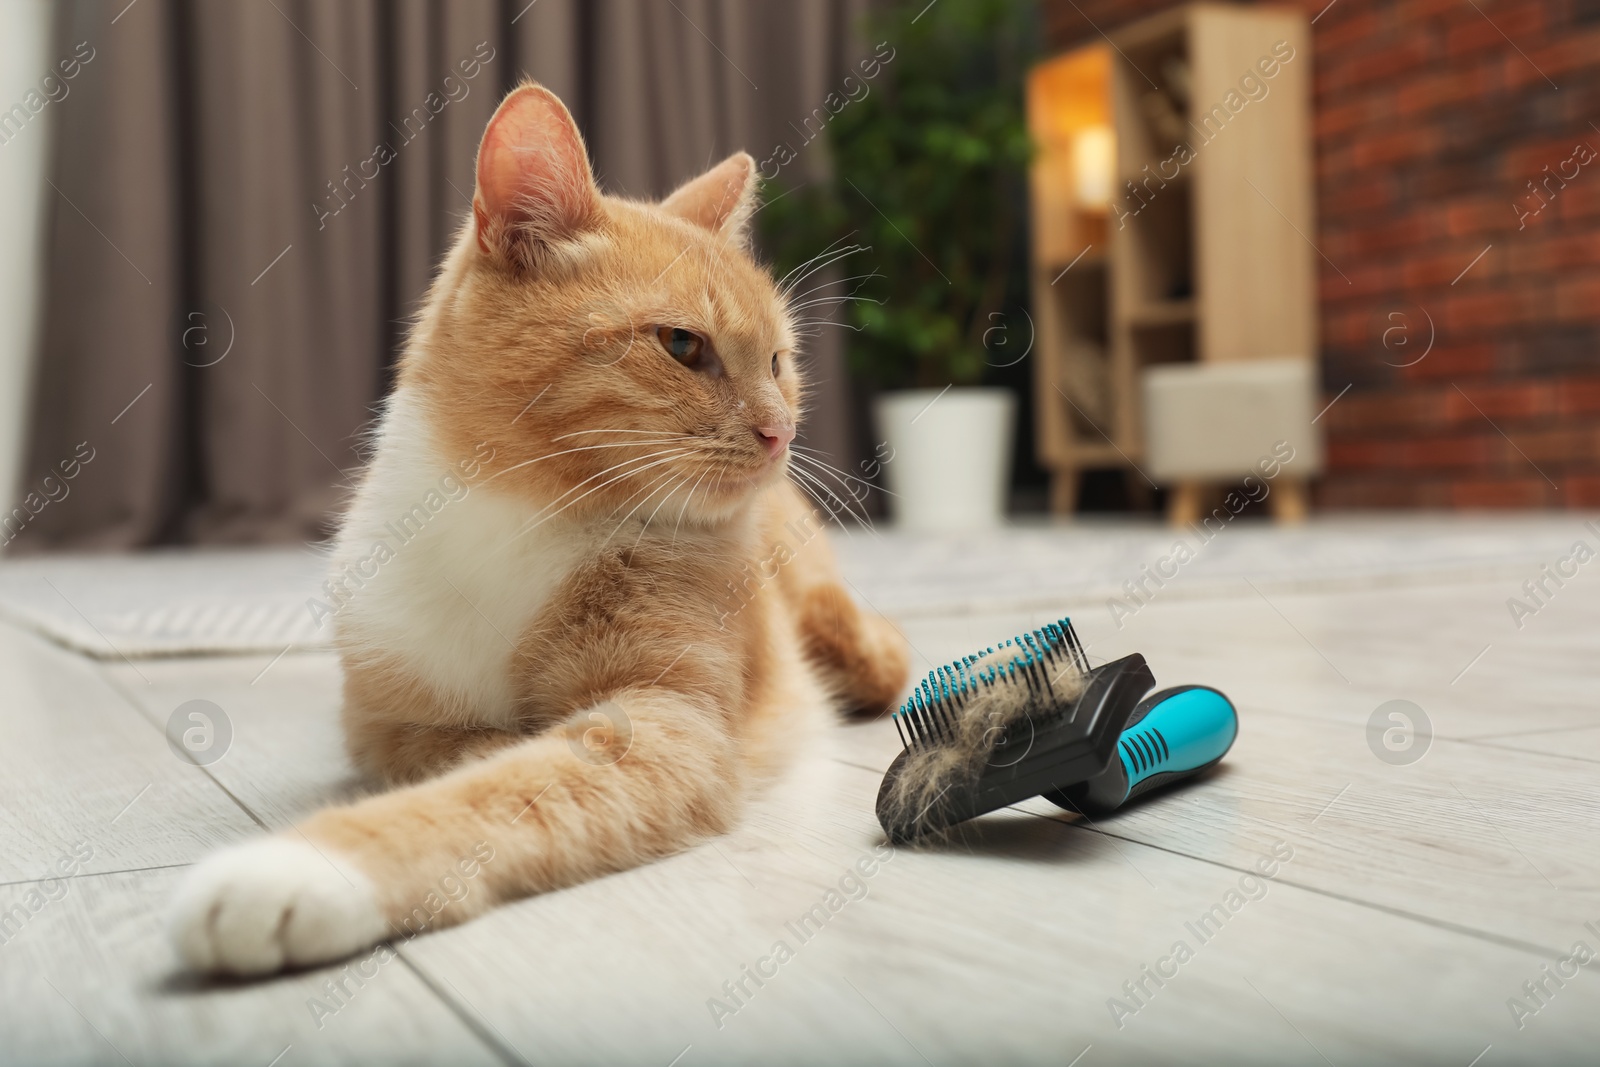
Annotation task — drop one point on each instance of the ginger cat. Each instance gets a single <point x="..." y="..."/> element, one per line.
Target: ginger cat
<point x="579" y="605"/>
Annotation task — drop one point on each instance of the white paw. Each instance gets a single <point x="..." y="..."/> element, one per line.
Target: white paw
<point x="267" y="905"/>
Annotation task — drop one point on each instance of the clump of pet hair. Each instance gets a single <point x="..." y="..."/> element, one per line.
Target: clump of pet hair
<point x="952" y="748"/>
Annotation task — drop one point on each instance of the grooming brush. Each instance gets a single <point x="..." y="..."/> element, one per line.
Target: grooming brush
<point x="1032" y="717"/>
<point x="1172" y="735"/>
<point x="1004" y="725"/>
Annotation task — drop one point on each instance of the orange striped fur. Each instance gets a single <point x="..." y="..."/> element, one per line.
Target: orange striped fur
<point x="591" y="654"/>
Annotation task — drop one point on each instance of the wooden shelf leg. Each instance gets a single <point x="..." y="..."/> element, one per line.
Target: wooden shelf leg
<point x="1184" y="503"/>
<point x="1064" y="490"/>
<point x="1290" y="501"/>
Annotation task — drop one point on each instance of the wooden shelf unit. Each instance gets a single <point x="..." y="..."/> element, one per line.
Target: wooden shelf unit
<point x="1203" y="251"/>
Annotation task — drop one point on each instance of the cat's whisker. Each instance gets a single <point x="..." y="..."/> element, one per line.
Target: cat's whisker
<point x="575" y="433"/>
<point x="824" y="301"/>
<point x="624" y="520"/>
<point x="856" y="283"/>
<point x="645" y="462"/>
<point x="824" y="322"/>
<point x="808" y="322"/>
<point x="835" y="247"/>
<point x="685" y="508"/>
<point x="874" y="273"/>
<point x="675" y="487"/>
<point x="786" y="296"/>
<point x="612" y="481"/>
<point x="679" y="484"/>
<point x="535" y="518"/>
<point x="664" y="477"/>
<point x="819" y="287"/>
<point x="631" y="496"/>
<point x="843" y="477"/>
<point x="582" y="448"/>
<point x="814" y="456"/>
<point x="826" y="477"/>
<point x="602" y="485"/>
<point x="859" y="511"/>
<point x="814" y="480"/>
<point x="810" y="493"/>
<point x="783" y="282"/>
<point x="821" y="261"/>
<point x="834" y="298"/>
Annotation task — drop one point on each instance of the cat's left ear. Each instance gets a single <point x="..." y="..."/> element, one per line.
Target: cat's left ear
<point x="720" y="200"/>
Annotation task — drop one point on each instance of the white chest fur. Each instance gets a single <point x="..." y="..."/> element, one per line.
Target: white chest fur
<point x="442" y="573"/>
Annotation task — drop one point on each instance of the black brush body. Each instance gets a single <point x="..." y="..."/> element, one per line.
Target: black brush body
<point x="1050" y="742"/>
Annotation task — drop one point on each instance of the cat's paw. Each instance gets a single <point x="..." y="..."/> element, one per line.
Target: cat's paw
<point x="260" y="907"/>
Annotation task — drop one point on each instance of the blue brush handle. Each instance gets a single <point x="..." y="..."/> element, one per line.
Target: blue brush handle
<point x="1172" y="734"/>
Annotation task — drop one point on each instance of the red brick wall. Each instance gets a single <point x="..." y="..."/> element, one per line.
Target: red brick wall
<point x="1429" y="125"/>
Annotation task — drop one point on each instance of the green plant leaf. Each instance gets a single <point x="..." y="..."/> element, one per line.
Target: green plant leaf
<point x="927" y="172"/>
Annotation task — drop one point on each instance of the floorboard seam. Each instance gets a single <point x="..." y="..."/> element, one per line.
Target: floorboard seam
<point x="139" y="710"/>
<point x="492" y="1041"/>
<point x="1542" y="951"/>
<point x="98" y="874"/>
<point x="1487" y="743"/>
<point x="1502" y="940"/>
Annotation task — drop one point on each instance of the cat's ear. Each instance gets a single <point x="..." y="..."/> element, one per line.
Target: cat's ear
<point x="534" y="182"/>
<point x="720" y="200"/>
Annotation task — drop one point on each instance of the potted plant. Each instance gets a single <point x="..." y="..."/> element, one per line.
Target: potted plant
<point x="927" y="181"/>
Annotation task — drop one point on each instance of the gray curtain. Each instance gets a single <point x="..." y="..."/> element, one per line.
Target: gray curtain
<point x="232" y="259"/>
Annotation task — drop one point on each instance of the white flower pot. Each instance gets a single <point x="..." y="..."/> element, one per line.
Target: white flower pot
<point x="946" y="456"/>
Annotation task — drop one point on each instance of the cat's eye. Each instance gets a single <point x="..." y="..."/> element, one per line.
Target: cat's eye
<point x="774" y="364"/>
<point x="685" y="346"/>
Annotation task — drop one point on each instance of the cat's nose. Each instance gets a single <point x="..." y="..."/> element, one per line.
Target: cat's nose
<point x="776" y="438"/>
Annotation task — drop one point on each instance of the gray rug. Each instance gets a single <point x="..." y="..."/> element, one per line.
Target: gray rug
<point x="169" y="603"/>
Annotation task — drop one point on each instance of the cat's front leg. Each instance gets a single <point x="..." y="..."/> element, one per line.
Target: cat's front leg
<point x="398" y="731"/>
<point x="640" y="775"/>
<point x="399" y="752"/>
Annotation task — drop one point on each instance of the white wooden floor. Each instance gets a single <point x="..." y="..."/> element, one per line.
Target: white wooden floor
<point x="1418" y="899"/>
